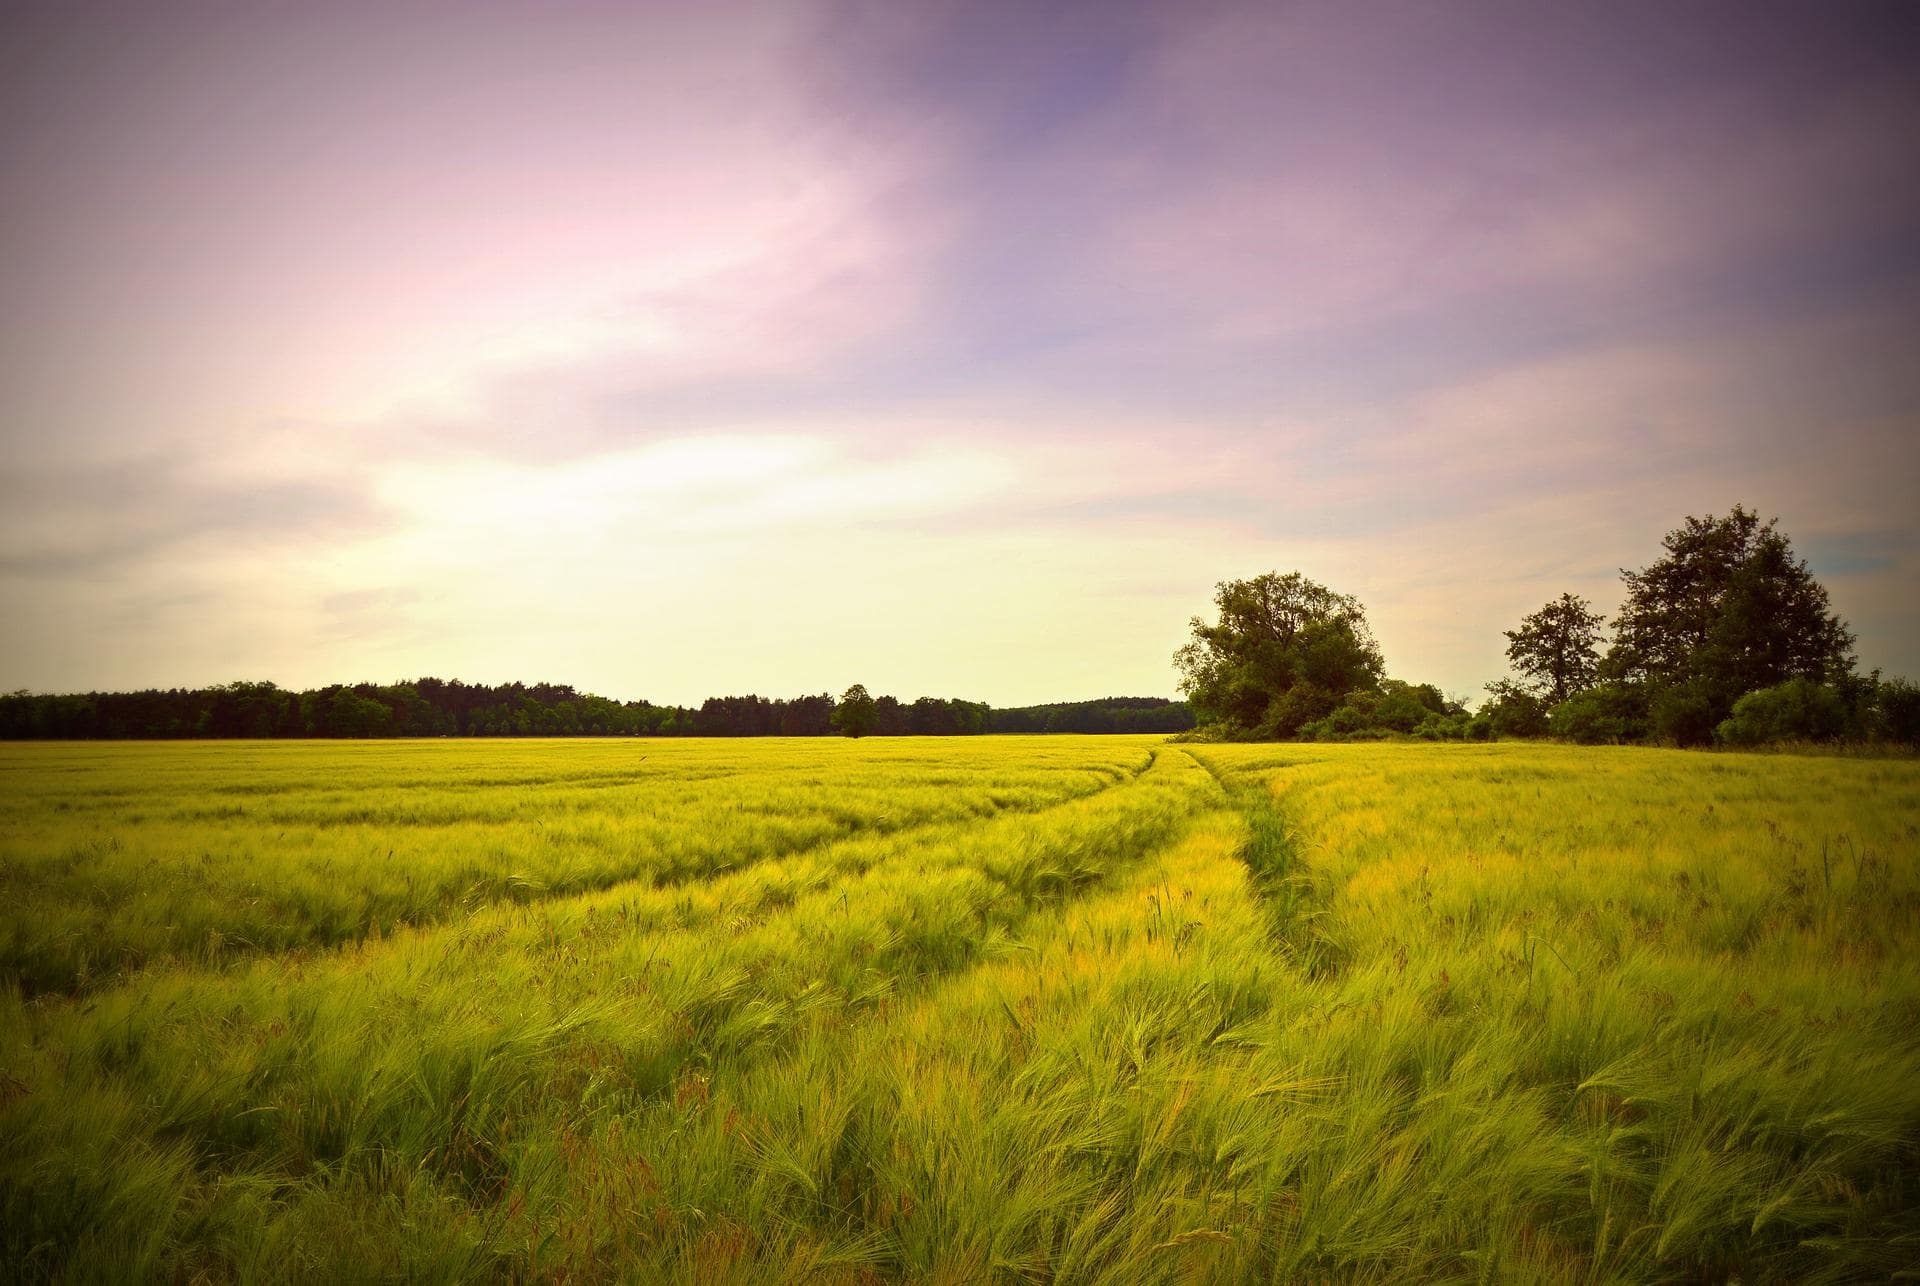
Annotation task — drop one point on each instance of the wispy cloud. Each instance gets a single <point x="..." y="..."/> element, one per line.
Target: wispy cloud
<point x="78" y="521"/>
<point x="952" y="347"/>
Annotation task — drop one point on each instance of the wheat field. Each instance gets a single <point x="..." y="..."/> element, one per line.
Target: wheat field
<point x="1046" y="1009"/>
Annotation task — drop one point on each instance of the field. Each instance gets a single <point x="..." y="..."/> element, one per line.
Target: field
<point x="969" y="1009"/>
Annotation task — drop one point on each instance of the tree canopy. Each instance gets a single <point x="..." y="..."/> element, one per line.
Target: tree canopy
<point x="441" y="708"/>
<point x="854" y="715"/>
<point x="1285" y="651"/>
<point x="1727" y="637"/>
<point x="1108" y="714"/>
<point x="1729" y="610"/>
<point x="1556" y="649"/>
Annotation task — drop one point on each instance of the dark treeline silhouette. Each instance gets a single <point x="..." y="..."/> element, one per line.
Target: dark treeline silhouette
<point x="1109" y="714"/>
<point x="449" y="708"/>
<point x="753" y="716"/>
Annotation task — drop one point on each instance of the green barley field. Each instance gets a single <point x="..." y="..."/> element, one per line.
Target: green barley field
<point x="1045" y="1009"/>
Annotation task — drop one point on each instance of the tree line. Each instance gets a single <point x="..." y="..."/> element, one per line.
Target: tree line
<point x="1109" y="714"/>
<point x="1726" y="638"/>
<point x="431" y="707"/>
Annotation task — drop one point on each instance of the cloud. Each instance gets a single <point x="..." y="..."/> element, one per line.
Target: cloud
<point x="88" y="521"/>
<point x="423" y="217"/>
<point x="1439" y="204"/>
<point x="363" y="613"/>
<point x="954" y="347"/>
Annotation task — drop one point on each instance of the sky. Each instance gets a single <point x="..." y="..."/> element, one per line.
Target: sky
<point x="951" y="348"/>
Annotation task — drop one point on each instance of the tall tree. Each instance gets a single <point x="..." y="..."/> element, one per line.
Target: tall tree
<point x="1284" y="651"/>
<point x="1557" y="648"/>
<point x="854" y="715"/>
<point x="1729" y="610"/>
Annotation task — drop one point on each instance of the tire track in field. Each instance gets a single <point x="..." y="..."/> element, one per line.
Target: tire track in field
<point x="988" y="810"/>
<point x="228" y="948"/>
<point x="847" y="830"/>
<point x="277" y="1032"/>
<point x="1004" y="1033"/>
<point x="895" y="851"/>
<point x="1018" y="900"/>
<point x="1297" y="904"/>
<point x="1055" y="897"/>
<point x="510" y="890"/>
<point x="1145" y="891"/>
<point x="747" y="1010"/>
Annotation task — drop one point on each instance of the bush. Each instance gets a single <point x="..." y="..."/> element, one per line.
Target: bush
<point x="1396" y="708"/>
<point x="1442" y="727"/>
<point x="1897" y="704"/>
<point x="1399" y="712"/>
<point x="1345" y="721"/>
<point x="1292" y="710"/>
<point x="1685" y="715"/>
<point x="1609" y="713"/>
<point x="1797" y="710"/>
<point x="1513" y="710"/>
<point x="1323" y="730"/>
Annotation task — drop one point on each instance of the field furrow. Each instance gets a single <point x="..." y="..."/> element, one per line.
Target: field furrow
<point x="120" y="869"/>
<point x="418" y="1048"/>
<point x="1161" y="1014"/>
<point x="989" y="1127"/>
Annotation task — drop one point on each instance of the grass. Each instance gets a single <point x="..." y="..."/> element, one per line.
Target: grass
<point x="111" y="856"/>
<point x="1022" y="1009"/>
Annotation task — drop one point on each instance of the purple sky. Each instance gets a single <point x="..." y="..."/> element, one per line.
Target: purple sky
<point x="955" y="349"/>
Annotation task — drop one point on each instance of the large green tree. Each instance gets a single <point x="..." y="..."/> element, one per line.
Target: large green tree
<point x="1729" y="610"/>
<point x="1556" y="649"/>
<point x="1284" y="652"/>
<point x="855" y="713"/>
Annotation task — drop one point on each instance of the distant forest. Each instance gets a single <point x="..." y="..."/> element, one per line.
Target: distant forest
<point x="450" y="708"/>
<point x="1725" y="639"/>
